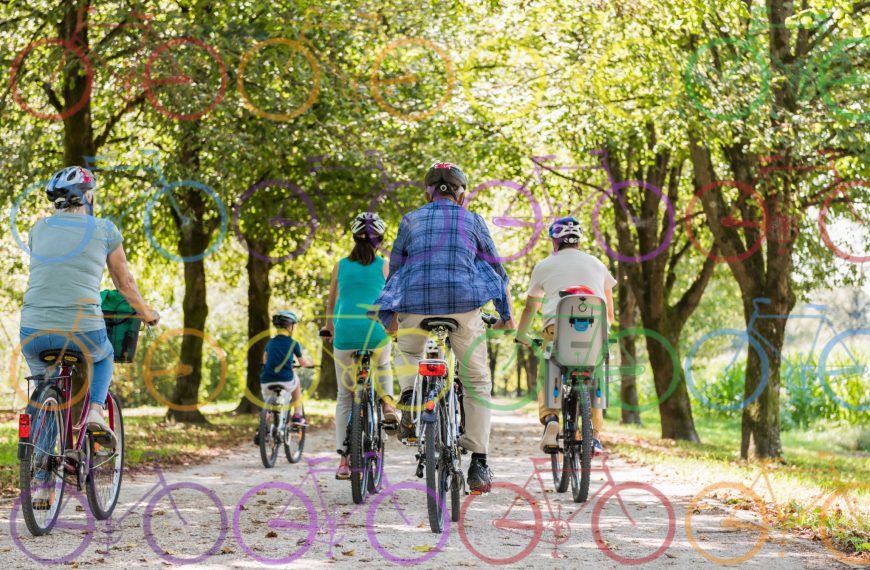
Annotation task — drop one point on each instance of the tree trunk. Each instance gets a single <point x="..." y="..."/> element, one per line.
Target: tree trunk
<point x="78" y="139"/>
<point x="327" y="387"/>
<point x="259" y="294"/>
<point x="492" y="355"/>
<point x="195" y="308"/>
<point x="627" y="346"/>
<point x="676" y="409"/>
<point x="532" y="372"/>
<point x="521" y="368"/>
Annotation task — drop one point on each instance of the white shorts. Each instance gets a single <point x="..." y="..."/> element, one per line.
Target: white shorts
<point x="286" y="393"/>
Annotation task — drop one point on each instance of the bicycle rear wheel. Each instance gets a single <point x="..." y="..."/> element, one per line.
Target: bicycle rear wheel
<point x="269" y="420"/>
<point x="435" y="496"/>
<point x="359" y="473"/>
<point x="294" y="440"/>
<point x="375" y="456"/>
<point x="103" y="484"/>
<point x="41" y="467"/>
<point x="581" y="455"/>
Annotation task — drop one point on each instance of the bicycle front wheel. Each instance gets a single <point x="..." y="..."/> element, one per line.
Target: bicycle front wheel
<point x="652" y="509"/>
<point x="435" y="497"/>
<point x="559" y="464"/>
<point x="42" y="467"/>
<point x="375" y="454"/>
<point x="359" y="473"/>
<point x="269" y="421"/>
<point x="581" y="455"/>
<point x="107" y="467"/>
<point x="294" y="440"/>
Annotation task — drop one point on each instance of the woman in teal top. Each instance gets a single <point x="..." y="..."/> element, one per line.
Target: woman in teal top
<point x="357" y="280"/>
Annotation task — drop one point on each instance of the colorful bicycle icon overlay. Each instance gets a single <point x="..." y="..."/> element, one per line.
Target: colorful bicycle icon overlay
<point x="635" y="78"/>
<point x="844" y="509"/>
<point x="520" y="212"/>
<point x="267" y="66"/>
<point x="844" y="369"/>
<point x="747" y="213"/>
<point x="155" y="360"/>
<point x="255" y="398"/>
<point x="702" y="526"/>
<point x="392" y="86"/>
<point x="184" y="220"/>
<point x="295" y="219"/>
<point x="67" y="250"/>
<point x="295" y="525"/>
<point x="388" y="203"/>
<point x="845" y="224"/>
<point x="498" y="70"/>
<point x="396" y="520"/>
<point x="73" y="343"/>
<point x="850" y="100"/>
<point x="74" y="520"/>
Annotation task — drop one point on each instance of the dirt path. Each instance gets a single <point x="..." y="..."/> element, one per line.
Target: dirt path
<point x="396" y="520"/>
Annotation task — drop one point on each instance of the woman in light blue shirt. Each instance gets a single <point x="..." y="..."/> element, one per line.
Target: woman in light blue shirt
<point x="68" y="252"/>
<point x="357" y="280"/>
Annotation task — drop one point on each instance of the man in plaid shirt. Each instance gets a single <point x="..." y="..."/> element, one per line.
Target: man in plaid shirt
<point x="444" y="263"/>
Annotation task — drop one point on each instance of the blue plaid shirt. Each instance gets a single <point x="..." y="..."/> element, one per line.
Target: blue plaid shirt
<point x="443" y="261"/>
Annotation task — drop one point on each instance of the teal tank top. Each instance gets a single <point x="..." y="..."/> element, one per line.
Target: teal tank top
<point x="358" y="285"/>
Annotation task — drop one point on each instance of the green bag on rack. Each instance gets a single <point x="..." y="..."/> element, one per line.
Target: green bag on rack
<point x="122" y="325"/>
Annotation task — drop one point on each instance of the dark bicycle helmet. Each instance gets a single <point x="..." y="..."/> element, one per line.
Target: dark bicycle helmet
<point x="446" y="178"/>
<point x="69" y="185"/>
<point x="284" y="319"/>
<point x="566" y="230"/>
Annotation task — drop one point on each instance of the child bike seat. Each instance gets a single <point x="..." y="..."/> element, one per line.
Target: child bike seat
<point x="435" y="322"/>
<point x="70" y="356"/>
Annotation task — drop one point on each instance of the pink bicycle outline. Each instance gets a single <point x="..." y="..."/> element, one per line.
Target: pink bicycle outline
<point x="559" y="524"/>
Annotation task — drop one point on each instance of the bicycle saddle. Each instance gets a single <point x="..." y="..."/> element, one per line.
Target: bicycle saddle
<point x="70" y="356"/>
<point x="435" y="322"/>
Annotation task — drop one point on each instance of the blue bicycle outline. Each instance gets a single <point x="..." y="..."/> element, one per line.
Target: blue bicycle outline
<point x="805" y="367"/>
<point x="151" y="198"/>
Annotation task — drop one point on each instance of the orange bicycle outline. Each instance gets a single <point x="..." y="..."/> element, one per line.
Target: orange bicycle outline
<point x="77" y="48"/>
<point x="302" y="45"/>
<point x="766" y="525"/>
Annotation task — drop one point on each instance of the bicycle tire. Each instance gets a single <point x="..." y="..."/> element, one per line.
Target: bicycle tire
<point x="558" y="462"/>
<point x="267" y="436"/>
<point x="45" y="396"/>
<point x="582" y="454"/>
<point x="536" y="531"/>
<point x="294" y="46"/>
<point x="102" y="507"/>
<point x="608" y="549"/>
<point x="358" y="468"/>
<point x="72" y="109"/>
<point x="435" y="497"/>
<point x="294" y="440"/>
<point x="376" y="451"/>
<point x="149" y="514"/>
<point x="87" y="531"/>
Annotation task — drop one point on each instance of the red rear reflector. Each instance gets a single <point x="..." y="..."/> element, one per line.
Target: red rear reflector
<point x="433" y="368"/>
<point x="430" y="405"/>
<point x="579" y="290"/>
<point x="363" y="373"/>
<point x="24" y="426"/>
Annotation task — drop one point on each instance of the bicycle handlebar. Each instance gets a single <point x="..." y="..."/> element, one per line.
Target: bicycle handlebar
<point x="488" y="319"/>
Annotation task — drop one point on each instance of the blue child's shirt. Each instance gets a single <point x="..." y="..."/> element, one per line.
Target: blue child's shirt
<point x="280" y="352"/>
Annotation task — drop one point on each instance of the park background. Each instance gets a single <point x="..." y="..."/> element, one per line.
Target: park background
<point x="296" y="116"/>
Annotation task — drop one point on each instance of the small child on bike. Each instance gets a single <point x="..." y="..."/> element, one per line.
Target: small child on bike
<point x="278" y="360"/>
<point x="567" y="267"/>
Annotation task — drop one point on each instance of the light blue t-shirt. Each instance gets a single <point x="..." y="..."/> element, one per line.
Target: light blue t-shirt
<point x="358" y="285"/>
<point x="67" y="257"/>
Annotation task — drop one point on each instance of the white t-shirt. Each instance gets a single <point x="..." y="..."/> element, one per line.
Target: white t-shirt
<point x="564" y="269"/>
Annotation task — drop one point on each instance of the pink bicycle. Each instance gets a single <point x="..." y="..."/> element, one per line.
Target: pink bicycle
<point x="523" y="520"/>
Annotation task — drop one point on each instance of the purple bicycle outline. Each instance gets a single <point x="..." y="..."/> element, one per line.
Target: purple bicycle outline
<point x="85" y="530"/>
<point x="157" y="492"/>
<point x="331" y="522"/>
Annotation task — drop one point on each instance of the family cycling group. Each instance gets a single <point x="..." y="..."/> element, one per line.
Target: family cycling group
<point x="443" y="263"/>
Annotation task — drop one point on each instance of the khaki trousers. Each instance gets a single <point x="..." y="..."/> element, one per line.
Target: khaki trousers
<point x="469" y="346"/>
<point x="544" y="413"/>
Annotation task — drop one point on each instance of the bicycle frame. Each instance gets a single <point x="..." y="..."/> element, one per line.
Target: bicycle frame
<point x="542" y="465"/>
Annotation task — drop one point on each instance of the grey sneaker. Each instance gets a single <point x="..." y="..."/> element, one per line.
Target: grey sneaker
<point x="550" y="441"/>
